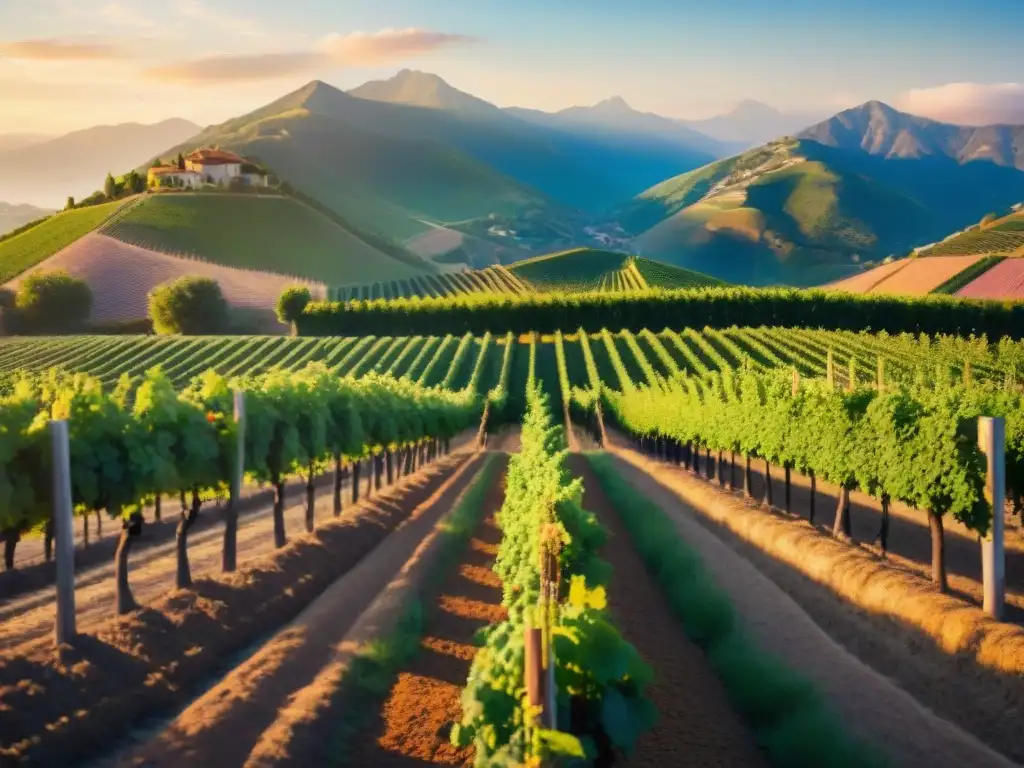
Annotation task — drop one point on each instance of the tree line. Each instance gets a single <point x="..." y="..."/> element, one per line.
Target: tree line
<point x="716" y="307"/>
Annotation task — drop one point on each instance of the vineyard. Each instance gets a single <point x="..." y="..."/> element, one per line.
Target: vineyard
<point x="433" y="360"/>
<point x="579" y="270"/>
<point x="274" y="234"/>
<point x="1005" y="280"/>
<point x="1004" y="236"/>
<point x="400" y="549"/>
<point x="42" y="241"/>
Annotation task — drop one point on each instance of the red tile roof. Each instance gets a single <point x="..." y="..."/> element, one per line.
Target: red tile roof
<point x="213" y="157"/>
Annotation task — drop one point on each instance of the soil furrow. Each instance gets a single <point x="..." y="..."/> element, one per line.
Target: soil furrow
<point x="696" y="724"/>
<point x="414" y="723"/>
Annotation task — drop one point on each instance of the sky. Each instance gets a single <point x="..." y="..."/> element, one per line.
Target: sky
<point x="69" y="64"/>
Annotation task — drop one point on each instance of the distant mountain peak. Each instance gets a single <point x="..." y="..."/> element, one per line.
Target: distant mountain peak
<point x="422" y="89"/>
<point x="614" y="104"/>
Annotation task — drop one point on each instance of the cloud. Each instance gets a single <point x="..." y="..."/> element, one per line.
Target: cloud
<point x="58" y="50"/>
<point x="196" y="11"/>
<point x="967" y="103"/>
<point x="233" y="69"/>
<point x="368" y="49"/>
<point x="358" y="49"/>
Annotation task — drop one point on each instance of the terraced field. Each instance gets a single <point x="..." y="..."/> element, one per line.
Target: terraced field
<point x="1004" y="236"/>
<point x="273" y="234"/>
<point x="24" y="251"/>
<point x="924" y="275"/>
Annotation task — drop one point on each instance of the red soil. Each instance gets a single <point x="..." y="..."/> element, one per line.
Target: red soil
<point x="416" y="719"/>
<point x="697" y="725"/>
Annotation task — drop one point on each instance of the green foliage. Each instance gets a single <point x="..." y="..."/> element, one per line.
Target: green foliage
<point x="52" y="302"/>
<point x="787" y="713"/>
<point x="599" y="677"/>
<point x="291" y="303"/>
<point x="717" y="307"/>
<point x="110" y="187"/>
<point x="190" y="306"/>
<point x="916" y="445"/>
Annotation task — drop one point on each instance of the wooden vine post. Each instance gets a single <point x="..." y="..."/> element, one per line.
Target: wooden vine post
<point x="63" y="521"/>
<point x="992" y="441"/>
<point x="229" y="555"/>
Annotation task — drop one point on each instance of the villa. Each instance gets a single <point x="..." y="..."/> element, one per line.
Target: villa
<point x="208" y="166"/>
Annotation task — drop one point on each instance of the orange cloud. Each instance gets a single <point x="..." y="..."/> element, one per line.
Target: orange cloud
<point x="229" y="69"/>
<point x="387" y="45"/>
<point x="968" y="103"/>
<point x="354" y="50"/>
<point x="58" y="50"/>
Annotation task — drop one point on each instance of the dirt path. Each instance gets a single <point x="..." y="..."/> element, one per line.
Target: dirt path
<point x="221" y="727"/>
<point x="696" y="724"/>
<point x="134" y="671"/>
<point x="415" y="720"/>
<point x="872" y="706"/>
<point x="31" y="617"/>
<point x="909" y="539"/>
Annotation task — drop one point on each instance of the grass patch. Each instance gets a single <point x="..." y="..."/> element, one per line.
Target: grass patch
<point x="256" y="232"/>
<point x="373" y="672"/>
<point x="976" y="269"/>
<point x="42" y="241"/>
<point x="788" y="715"/>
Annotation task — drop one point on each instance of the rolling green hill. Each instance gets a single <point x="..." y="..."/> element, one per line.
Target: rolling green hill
<point x="274" y="234"/>
<point x="382" y="166"/>
<point x="42" y="241"/>
<point x="801" y="213"/>
<point x="580" y="269"/>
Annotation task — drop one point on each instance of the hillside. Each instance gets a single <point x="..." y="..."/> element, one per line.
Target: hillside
<point x="264" y="233"/>
<point x="1003" y="236"/>
<point x="45" y="173"/>
<point x="798" y="212"/>
<point x="344" y="152"/>
<point x="121" y="277"/>
<point x="14" y="216"/>
<point x="580" y="269"/>
<point x="39" y="243"/>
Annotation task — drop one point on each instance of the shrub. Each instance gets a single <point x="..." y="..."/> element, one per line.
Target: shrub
<point x="291" y="304"/>
<point x="189" y="305"/>
<point x="52" y="302"/>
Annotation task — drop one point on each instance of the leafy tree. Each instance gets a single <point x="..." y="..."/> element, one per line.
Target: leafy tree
<point x="135" y="182"/>
<point x="189" y="305"/>
<point x="110" y="186"/>
<point x="70" y="203"/>
<point x="156" y="163"/>
<point x="291" y="303"/>
<point x="52" y="302"/>
<point x="180" y="162"/>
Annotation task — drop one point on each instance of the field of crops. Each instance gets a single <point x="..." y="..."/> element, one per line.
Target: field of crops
<point x="449" y="360"/>
<point x="23" y="251"/>
<point x="1003" y="281"/>
<point x="1006" y="238"/>
<point x="495" y="279"/>
<point x="273" y="234"/>
<point x="581" y="269"/>
<point x="420" y="498"/>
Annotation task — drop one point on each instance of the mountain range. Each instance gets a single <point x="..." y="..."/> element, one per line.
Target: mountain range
<point x="46" y="172"/>
<point x="458" y="179"/>
<point x="867" y="183"/>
